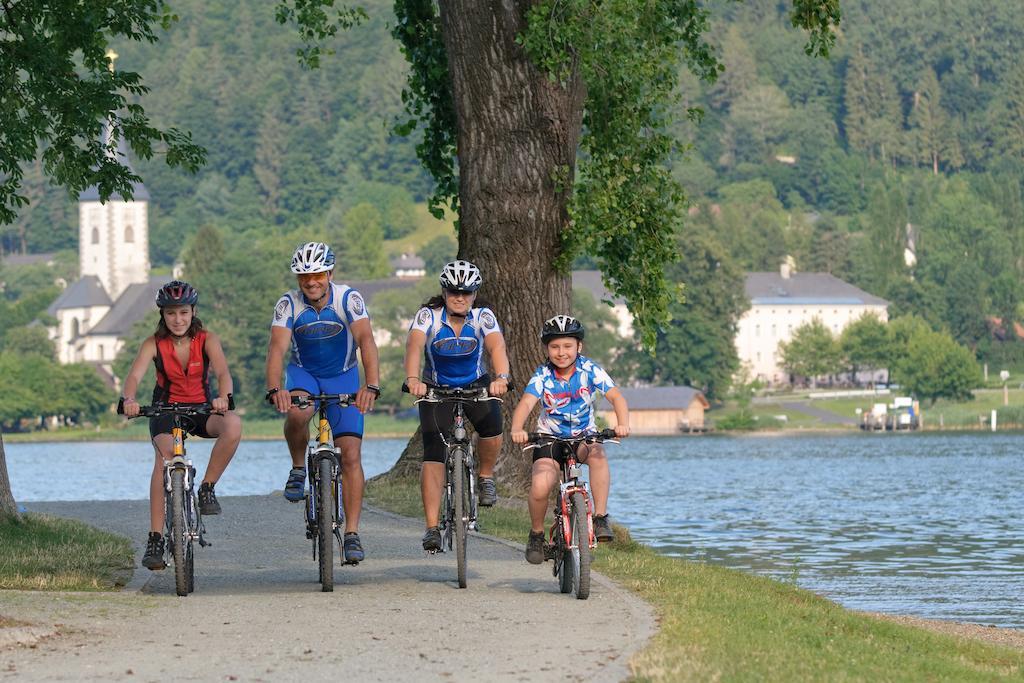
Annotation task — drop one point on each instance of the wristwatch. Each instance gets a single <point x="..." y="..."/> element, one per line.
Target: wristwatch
<point x="374" y="388"/>
<point x="503" y="375"/>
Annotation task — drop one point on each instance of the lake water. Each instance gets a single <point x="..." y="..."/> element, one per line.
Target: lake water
<point x="930" y="525"/>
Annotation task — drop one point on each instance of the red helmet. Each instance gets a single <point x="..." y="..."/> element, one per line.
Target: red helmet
<point x="177" y="293"/>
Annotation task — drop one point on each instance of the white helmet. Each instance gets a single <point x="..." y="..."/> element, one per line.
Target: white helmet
<point x="313" y="257"/>
<point x="461" y="276"/>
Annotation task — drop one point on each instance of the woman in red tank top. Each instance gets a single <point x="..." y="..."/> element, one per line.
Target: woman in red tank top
<point x="183" y="353"/>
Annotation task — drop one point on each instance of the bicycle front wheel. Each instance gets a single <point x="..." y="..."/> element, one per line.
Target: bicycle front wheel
<point x="460" y="491"/>
<point x="565" y="563"/>
<point x="580" y="545"/>
<point x="325" y="524"/>
<point x="179" y="551"/>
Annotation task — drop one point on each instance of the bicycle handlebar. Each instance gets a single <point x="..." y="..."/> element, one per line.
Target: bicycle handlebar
<point x="306" y="400"/>
<point x="596" y="437"/>
<point x="182" y="409"/>
<point x="438" y="394"/>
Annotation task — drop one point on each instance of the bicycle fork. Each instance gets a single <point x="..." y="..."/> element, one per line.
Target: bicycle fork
<point x="313" y="468"/>
<point x="195" y="530"/>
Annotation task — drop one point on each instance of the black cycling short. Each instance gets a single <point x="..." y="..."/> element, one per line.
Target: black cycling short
<point x="436" y="419"/>
<point x="555" y="451"/>
<point x="194" y="424"/>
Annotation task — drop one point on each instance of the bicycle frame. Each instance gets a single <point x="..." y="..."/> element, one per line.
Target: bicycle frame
<point x="319" y="529"/>
<point x="571" y="483"/>
<point x="323" y="448"/>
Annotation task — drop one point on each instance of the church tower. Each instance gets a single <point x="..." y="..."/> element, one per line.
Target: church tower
<point x="113" y="238"/>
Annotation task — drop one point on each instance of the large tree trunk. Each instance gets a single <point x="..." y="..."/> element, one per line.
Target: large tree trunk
<point x="8" y="508"/>
<point x="516" y="131"/>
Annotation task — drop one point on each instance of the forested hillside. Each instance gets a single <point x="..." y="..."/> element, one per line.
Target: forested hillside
<point x="909" y="141"/>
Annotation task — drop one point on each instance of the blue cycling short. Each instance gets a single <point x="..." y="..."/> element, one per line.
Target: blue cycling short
<point x="344" y="421"/>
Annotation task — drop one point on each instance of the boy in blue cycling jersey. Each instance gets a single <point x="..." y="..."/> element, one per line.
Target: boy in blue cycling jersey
<point x="567" y="387"/>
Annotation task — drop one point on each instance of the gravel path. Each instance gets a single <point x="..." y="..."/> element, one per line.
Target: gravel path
<point x="258" y="613"/>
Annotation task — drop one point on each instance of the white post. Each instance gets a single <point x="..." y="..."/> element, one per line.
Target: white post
<point x="993" y="419"/>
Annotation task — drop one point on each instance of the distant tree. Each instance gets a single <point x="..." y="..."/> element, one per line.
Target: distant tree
<point x="934" y="135"/>
<point x="697" y="347"/>
<point x="29" y="341"/>
<point x="931" y="365"/>
<point x="866" y="345"/>
<point x="360" y="253"/>
<point x="438" y="252"/>
<point x="812" y="352"/>
<point x="204" y="252"/>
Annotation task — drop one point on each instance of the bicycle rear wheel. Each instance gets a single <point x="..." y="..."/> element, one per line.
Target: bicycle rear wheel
<point x="182" y="556"/>
<point x="460" y="491"/>
<point x="325" y="524"/>
<point x="580" y="545"/>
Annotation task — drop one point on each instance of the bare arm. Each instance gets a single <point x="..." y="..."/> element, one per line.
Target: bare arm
<point x="519" y="415"/>
<point x="219" y="363"/>
<point x="618" y="402"/>
<point x="362" y="332"/>
<point x="280" y="339"/>
<point x="147" y="352"/>
<point x="494" y="343"/>
<point x="413" y="351"/>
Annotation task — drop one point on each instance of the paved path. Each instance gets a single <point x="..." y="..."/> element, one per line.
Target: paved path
<point x="820" y="413"/>
<point x="258" y="613"/>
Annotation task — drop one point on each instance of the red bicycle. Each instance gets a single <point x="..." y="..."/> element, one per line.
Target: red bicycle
<point x="572" y="533"/>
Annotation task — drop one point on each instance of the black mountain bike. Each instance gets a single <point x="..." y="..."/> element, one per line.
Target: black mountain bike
<point x="325" y="516"/>
<point x="572" y="533"/>
<point x="183" y="521"/>
<point x="459" y="504"/>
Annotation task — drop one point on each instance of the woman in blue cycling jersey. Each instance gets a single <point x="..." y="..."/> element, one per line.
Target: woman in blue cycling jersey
<point x="453" y="332"/>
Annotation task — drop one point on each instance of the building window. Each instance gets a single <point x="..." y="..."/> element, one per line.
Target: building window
<point x="759" y="356"/>
<point x="773" y="330"/>
<point x="129" y="234"/>
<point x="101" y="351"/>
<point x="789" y="327"/>
<point x="74" y="328"/>
<point x="757" y="330"/>
<point x="95" y="235"/>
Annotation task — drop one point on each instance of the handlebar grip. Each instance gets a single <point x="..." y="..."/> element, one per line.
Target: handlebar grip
<point x="405" y="388"/>
<point x="120" y="406"/>
<point x="231" y="401"/>
<point x="607" y="433"/>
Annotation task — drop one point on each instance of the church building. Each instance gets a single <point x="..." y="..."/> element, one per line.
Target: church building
<point x="115" y="289"/>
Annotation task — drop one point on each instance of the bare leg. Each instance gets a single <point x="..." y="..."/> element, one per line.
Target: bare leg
<point x="352" y="479"/>
<point x="296" y="432"/>
<point x="545" y="476"/>
<point x="600" y="477"/>
<point x="163" y="446"/>
<point x="489" y="449"/>
<point x="431" y="483"/>
<point x="227" y="429"/>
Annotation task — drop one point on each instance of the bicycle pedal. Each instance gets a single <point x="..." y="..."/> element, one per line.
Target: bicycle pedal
<point x="549" y="552"/>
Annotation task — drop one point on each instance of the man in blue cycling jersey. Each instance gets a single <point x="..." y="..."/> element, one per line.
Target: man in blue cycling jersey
<point x="324" y="323"/>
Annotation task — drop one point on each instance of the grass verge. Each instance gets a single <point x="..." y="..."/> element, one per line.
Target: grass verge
<point x="722" y="624"/>
<point x="41" y="552"/>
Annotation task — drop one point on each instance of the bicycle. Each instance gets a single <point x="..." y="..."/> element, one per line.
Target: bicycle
<point x="459" y="503"/>
<point x="325" y="515"/>
<point x="183" y="522"/>
<point x="572" y="533"/>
